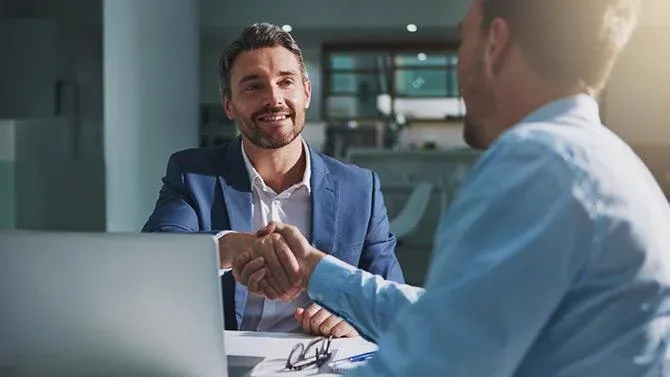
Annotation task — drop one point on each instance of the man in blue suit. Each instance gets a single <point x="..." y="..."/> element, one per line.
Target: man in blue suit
<point x="271" y="174"/>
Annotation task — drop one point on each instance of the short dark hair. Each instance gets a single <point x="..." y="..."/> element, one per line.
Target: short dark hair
<point x="571" y="41"/>
<point x="253" y="37"/>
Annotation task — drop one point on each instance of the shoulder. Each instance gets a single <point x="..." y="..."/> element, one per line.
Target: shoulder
<point x="197" y="154"/>
<point x="558" y="149"/>
<point x="206" y="160"/>
<point x="213" y="154"/>
<point x="545" y="160"/>
<point x="343" y="171"/>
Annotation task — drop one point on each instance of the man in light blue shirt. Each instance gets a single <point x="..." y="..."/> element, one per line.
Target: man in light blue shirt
<point x="554" y="260"/>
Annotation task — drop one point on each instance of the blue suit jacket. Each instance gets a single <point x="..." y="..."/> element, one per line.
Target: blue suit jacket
<point x="208" y="190"/>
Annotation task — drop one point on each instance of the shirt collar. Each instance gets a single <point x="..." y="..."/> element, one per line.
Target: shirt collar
<point x="256" y="178"/>
<point x="581" y="105"/>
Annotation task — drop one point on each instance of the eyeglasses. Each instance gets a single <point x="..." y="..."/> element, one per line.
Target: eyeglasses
<point x="300" y="358"/>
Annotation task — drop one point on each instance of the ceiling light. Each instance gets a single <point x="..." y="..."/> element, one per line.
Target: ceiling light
<point x="421" y="56"/>
<point x="287" y="28"/>
<point x="411" y="28"/>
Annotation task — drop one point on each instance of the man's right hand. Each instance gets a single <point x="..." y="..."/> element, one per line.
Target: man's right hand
<point x="271" y="270"/>
<point x="234" y="244"/>
<point x="282" y="268"/>
<point x="307" y="255"/>
<point x="291" y="253"/>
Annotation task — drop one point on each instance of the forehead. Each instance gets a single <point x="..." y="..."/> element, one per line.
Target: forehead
<point x="264" y="61"/>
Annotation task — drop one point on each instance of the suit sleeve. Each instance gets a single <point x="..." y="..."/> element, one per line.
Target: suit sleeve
<point x="378" y="255"/>
<point x="174" y="211"/>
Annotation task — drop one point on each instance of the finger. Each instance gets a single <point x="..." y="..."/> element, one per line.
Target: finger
<point x="288" y="262"/>
<point x="298" y="313"/>
<point x="251" y="268"/>
<point x="264" y="231"/>
<point x="238" y="265"/>
<point x="270" y="255"/>
<point x="307" y="317"/>
<point x="242" y="259"/>
<point x="272" y="285"/>
<point x="264" y="247"/>
<point x="255" y="279"/>
<point x="329" y="324"/>
<point x="344" y="330"/>
<point x="291" y="234"/>
<point x="267" y="289"/>
<point x="318" y="319"/>
<point x="291" y="268"/>
<point x="290" y="295"/>
<point x="242" y="264"/>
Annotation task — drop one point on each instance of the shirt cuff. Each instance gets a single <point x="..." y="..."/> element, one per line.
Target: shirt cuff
<point x="328" y="280"/>
<point x="223" y="233"/>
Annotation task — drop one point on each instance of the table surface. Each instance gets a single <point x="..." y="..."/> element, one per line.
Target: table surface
<point x="275" y="347"/>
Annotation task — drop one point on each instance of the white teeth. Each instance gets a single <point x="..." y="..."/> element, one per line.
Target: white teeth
<point x="273" y="118"/>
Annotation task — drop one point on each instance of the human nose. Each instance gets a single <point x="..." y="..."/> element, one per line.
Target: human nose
<point x="274" y="96"/>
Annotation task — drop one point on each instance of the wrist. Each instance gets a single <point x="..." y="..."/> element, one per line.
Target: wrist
<point x="225" y="259"/>
<point x="310" y="262"/>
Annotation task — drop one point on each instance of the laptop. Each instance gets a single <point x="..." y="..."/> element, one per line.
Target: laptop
<point x="105" y="304"/>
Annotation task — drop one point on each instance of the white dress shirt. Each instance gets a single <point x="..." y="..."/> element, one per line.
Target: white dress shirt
<point x="292" y="206"/>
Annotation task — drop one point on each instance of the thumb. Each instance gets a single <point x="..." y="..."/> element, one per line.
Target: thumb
<point x="291" y="235"/>
<point x="268" y="229"/>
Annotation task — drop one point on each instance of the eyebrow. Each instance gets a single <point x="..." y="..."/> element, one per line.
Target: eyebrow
<point x="248" y="78"/>
<point x="255" y="76"/>
<point x="288" y="73"/>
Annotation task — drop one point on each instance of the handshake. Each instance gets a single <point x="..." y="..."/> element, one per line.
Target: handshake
<point x="277" y="262"/>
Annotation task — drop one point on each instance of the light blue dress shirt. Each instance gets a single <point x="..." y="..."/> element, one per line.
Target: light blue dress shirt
<point x="553" y="261"/>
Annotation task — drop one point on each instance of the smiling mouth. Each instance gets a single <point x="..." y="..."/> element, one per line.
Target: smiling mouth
<point x="273" y="118"/>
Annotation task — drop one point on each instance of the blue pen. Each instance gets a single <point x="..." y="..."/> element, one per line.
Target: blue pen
<point x="361" y="357"/>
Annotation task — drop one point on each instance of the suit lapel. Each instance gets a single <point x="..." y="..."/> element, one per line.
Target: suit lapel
<point x="237" y="189"/>
<point x="237" y="196"/>
<point x="325" y="203"/>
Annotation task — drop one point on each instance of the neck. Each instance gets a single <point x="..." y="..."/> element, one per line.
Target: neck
<point x="280" y="168"/>
<point x="523" y="99"/>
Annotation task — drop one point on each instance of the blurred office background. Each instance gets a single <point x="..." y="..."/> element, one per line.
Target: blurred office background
<point x="96" y="94"/>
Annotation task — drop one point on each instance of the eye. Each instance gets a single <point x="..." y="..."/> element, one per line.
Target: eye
<point x="252" y="87"/>
<point x="286" y="82"/>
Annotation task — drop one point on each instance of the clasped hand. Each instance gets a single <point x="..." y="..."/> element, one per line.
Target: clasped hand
<point x="271" y="265"/>
<point x="277" y="264"/>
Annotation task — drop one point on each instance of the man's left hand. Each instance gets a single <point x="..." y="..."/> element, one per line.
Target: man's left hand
<point x="316" y="320"/>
